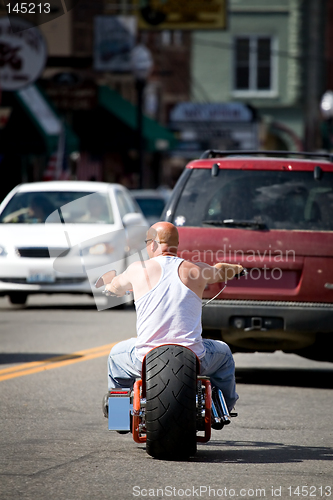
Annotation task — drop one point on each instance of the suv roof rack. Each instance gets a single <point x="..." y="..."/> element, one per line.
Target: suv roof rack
<point x="215" y="153"/>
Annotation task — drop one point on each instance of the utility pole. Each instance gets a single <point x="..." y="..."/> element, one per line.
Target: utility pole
<point x="314" y="38"/>
<point x="142" y="64"/>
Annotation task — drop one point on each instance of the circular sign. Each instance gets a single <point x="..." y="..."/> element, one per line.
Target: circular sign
<point x="23" y="53"/>
<point x="141" y="62"/>
<point x="326" y="104"/>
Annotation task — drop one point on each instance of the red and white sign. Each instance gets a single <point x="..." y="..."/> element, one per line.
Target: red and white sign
<point x="23" y="53"/>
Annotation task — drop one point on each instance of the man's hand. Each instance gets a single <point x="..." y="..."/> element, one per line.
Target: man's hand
<point x="119" y="285"/>
<point x="228" y="271"/>
<point x="113" y="289"/>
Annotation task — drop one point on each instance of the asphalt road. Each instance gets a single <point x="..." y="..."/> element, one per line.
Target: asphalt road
<point x="55" y="443"/>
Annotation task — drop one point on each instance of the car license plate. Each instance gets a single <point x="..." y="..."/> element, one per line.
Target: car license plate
<point x="40" y="277"/>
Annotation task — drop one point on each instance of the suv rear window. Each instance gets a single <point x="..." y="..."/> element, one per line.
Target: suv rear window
<point x="268" y="199"/>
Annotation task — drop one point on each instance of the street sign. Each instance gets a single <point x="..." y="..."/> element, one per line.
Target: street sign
<point x="200" y="126"/>
<point x="141" y="62"/>
<point x="114" y="39"/>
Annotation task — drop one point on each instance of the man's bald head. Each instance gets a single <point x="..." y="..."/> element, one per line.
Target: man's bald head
<point x="166" y="234"/>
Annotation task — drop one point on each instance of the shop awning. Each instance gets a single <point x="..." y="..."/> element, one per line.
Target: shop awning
<point x="46" y="119"/>
<point x="157" y="137"/>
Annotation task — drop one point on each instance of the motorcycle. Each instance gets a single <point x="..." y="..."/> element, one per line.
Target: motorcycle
<point x="171" y="408"/>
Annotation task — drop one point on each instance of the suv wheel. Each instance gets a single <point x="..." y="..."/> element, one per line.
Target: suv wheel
<point x="18" y="298"/>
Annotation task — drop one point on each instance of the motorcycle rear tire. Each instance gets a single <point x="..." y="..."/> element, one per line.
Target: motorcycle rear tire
<point x="171" y="402"/>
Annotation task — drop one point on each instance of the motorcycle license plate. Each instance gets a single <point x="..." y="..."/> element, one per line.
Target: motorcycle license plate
<point x="36" y="276"/>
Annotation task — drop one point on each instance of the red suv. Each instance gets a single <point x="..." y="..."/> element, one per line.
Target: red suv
<point x="272" y="212"/>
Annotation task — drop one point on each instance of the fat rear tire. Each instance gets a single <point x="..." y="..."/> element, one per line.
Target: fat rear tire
<point x="171" y="402"/>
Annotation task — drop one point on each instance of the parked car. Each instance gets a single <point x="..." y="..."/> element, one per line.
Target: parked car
<point x="151" y="202"/>
<point x="60" y="236"/>
<point x="272" y="213"/>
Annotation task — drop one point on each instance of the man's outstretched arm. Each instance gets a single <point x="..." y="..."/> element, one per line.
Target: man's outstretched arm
<point x="120" y="284"/>
<point x="220" y="272"/>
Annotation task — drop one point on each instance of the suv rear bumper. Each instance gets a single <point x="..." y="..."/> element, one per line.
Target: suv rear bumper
<point x="268" y="325"/>
<point x="305" y="316"/>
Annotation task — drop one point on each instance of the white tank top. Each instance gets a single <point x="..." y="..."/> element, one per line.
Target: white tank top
<point x="170" y="313"/>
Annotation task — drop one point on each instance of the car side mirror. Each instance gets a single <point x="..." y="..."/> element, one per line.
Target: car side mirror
<point x="132" y="219"/>
<point x="105" y="279"/>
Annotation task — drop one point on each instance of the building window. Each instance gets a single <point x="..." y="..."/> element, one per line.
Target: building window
<point x="166" y="37"/>
<point x="169" y="38"/>
<point x="253" y="69"/>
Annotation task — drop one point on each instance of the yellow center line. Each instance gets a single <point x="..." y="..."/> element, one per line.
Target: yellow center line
<point x="55" y="358"/>
<point x="55" y="362"/>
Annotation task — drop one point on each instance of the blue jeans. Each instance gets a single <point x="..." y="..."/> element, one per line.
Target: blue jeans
<point x="217" y="364"/>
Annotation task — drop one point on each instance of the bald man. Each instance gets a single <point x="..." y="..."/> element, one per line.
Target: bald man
<point x="168" y="300"/>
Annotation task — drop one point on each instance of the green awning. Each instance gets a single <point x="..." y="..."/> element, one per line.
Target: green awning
<point x="157" y="137"/>
<point x="46" y="119"/>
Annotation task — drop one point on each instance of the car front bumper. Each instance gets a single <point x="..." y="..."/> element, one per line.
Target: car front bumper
<point x="38" y="275"/>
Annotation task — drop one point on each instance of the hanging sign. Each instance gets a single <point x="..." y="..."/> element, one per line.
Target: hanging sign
<point x="23" y="53"/>
<point x="181" y="15"/>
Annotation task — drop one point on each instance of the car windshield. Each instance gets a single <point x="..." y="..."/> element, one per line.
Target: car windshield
<point x="67" y="206"/>
<point x="151" y="207"/>
<point x="257" y="200"/>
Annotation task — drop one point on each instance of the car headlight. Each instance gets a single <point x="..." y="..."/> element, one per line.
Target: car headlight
<point x="3" y="252"/>
<point x="98" y="249"/>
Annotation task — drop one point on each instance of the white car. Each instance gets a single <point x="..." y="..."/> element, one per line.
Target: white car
<point x="60" y="236"/>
